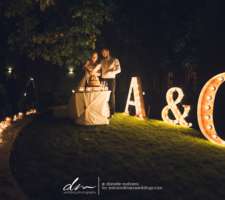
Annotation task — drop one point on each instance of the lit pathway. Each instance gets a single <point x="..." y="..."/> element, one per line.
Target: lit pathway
<point x="9" y="189"/>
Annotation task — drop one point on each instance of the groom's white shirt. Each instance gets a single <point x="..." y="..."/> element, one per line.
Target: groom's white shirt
<point x="110" y="68"/>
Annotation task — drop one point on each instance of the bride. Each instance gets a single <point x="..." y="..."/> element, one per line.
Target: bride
<point x="91" y="68"/>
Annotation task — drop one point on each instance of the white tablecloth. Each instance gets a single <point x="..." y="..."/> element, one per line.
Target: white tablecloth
<point x="90" y="108"/>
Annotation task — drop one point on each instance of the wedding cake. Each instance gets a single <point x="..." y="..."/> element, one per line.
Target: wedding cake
<point x="94" y="81"/>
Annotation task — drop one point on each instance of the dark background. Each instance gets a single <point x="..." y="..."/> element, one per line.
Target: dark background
<point x="166" y="42"/>
<point x="169" y="43"/>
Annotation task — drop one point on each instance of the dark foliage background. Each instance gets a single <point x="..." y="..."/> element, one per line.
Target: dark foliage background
<point x="166" y="42"/>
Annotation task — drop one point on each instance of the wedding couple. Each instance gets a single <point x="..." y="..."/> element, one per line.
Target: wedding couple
<point x="106" y="69"/>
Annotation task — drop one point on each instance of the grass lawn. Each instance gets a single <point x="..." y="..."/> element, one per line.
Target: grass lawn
<point x="51" y="152"/>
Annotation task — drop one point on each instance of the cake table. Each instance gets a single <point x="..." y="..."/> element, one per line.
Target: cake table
<point x="90" y="107"/>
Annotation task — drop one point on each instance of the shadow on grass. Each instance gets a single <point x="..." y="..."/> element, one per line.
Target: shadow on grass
<point x="51" y="152"/>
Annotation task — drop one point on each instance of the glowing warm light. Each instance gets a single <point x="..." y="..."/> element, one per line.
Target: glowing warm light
<point x="15" y="118"/>
<point x="70" y="70"/>
<point x="9" y="70"/>
<point x="31" y="111"/>
<point x="206" y="107"/>
<point x="8" y="121"/>
<point x="172" y="105"/>
<point x="138" y="102"/>
<point x="20" y="115"/>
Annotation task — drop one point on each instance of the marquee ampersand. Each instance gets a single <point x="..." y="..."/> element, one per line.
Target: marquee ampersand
<point x="172" y="105"/>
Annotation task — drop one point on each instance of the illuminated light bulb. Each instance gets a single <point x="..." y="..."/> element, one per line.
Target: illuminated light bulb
<point x="31" y="79"/>
<point x="25" y="94"/>
<point x="8" y="119"/>
<point x="209" y="97"/>
<point x="15" y="118"/>
<point x="209" y="127"/>
<point x="31" y="111"/>
<point x="9" y="70"/>
<point x="73" y="91"/>
<point x="207" y="107"/>
<point x="214" y="136"/>
<point x="190" y="124"/>
<point x="213" y="88"/>
<point x="207" y="117"/>
<point x="20" y="115"/>
<point x="221" y="78"/>
<point x="70" y="70"/>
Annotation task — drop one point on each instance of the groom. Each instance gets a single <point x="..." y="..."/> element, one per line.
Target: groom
<point x="110" y="68"/>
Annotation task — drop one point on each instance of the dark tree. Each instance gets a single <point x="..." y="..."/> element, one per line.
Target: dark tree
<point x="60" y="32"/>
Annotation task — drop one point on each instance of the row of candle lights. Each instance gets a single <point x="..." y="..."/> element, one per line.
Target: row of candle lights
<point x="9" y="120"/>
